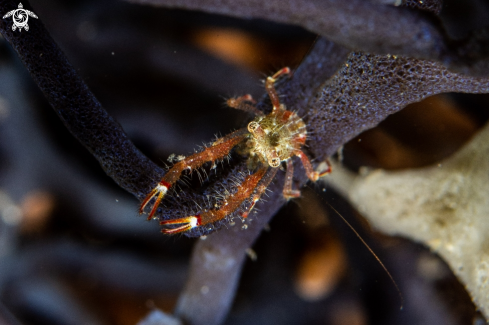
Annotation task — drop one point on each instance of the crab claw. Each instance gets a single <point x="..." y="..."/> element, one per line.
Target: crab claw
<point x="253" y="202"/>
<point x="159" y="192"/>
<point x="280" y="72"/>
<point x="292" y="194"/>
<point x="187" y="223"/>
<point x="327" y="171"/>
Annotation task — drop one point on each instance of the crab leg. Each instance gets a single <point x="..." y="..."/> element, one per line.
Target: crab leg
<point x="245" y="103"/>
<point x="310" y="172"/>
<point x="272" y="93"/>
<point x="328" y="170"/>
<point x="288" y="192"/>
<point x="233" y="202"/>
<point x="219" y="149"/>
<point x="267" y="179"/>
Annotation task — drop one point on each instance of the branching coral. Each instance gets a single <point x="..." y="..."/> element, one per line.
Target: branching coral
<point x="339" y="96"/>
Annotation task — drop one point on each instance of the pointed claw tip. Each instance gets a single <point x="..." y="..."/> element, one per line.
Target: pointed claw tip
<point x="187" y="224"/>
<point x="324" y="173"/>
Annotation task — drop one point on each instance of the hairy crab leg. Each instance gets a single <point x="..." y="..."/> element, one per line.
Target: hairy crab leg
<point x="310" y="172"/>
<point x="327" y="170"/>
<point x="272" y="93"/>
<point x="233" y="202"/>
<point x="159" y="191"/>
<point x="288" y="192"/>
<point x="245" y="103"/>
<point x="262" y="187"/>
<point x="219" y="149"/>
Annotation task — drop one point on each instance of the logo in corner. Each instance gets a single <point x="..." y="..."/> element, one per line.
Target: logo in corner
<point x="20" y="17"/>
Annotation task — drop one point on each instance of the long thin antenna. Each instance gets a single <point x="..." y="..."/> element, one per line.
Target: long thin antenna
<point x="372" y="252"/>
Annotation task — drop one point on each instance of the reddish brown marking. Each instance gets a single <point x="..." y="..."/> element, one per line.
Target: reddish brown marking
<point x="300" y="140"/>
<point x="287" y="115"/>
<point x="199" y="219"/>
<point x="328" y="170"/>
<point x="249" y="98"/>
<point x="172" y="231"/>
<point x="146" y="200"/>
<point x="311" y="174"/>
<point x="165" y="184"/>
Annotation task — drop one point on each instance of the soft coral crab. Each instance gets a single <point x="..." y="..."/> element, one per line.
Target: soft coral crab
<point x="269" y="140"/>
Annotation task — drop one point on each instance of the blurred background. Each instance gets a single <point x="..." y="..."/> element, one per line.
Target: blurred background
<point x="73" y="249"/>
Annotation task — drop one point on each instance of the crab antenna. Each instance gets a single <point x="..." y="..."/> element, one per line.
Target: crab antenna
<point x="372" y="252"/>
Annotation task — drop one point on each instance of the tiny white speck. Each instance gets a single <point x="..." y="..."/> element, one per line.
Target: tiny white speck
<point x="204" y="290"/>
<point x="251" y="254"/>
<point x="193" y="222"/>
<point x="162" y="188"/>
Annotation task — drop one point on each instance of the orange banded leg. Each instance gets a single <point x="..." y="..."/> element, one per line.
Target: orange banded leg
<point x="269" y="86"/>
<point x="159" y="191"/>
<point x="262" y="187"/>
<point x="218" y="150"/>
<point x="310" y="172"/>
<point x="245" y="103"/>
<point x="233" y="202"/>
<point x="288" y="192"/>
<point x="327" y="170"/>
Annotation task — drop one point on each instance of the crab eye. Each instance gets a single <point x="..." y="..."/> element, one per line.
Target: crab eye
<point x="252" y="126"/>
<point x="274" y="162"/>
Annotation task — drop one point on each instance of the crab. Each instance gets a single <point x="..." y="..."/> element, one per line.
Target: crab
<point x="269" y="141"/>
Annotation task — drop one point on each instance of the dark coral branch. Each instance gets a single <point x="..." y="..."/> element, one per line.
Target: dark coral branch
<point x="428" y="5"/>
<point x="355" y="24"/>
<point x="361" y="25"/>
<point x="336" y="116"/>
<point x="77" y="107"/>
<point x="369" y="88"/>
<point x="217" y="261"/>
